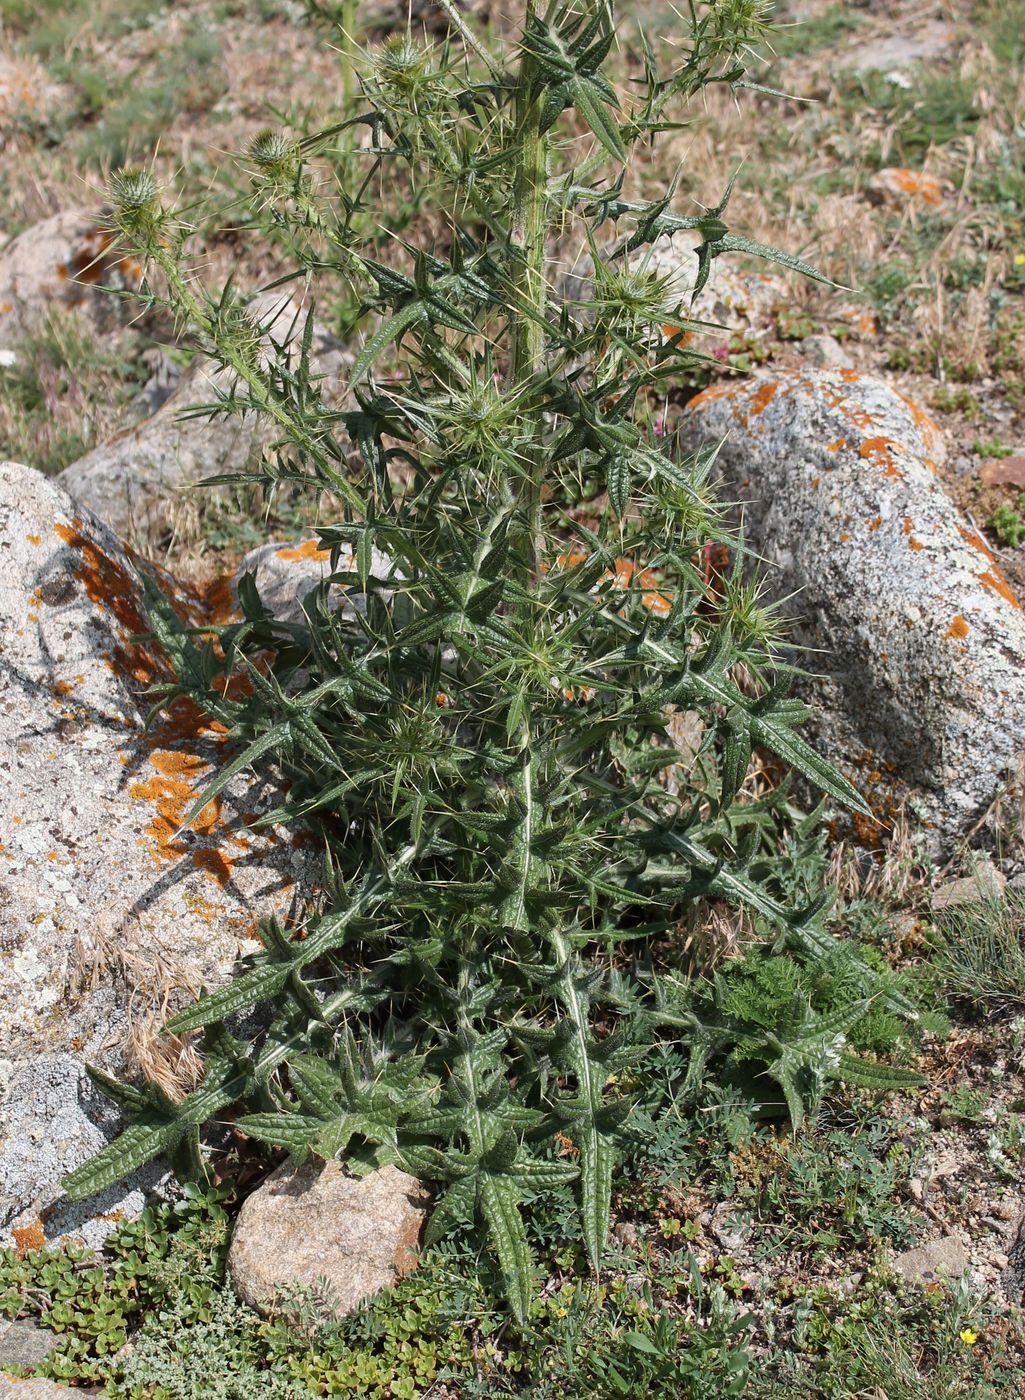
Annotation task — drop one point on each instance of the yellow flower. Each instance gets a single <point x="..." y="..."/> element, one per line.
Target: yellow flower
<point x="968" y="1336"/>
<point x="1019" y="259"/>
<point x="561" y="1312"/>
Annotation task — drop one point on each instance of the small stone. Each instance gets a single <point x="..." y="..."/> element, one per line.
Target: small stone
<point x="890" y="52"/>
<point x="902" y="186"/>
<point x="64" y="261"/>
<point x="24" y="1343"/>
<point x="286" y="571"/>
<point x="825" y="352"/>
<point x="732" y="1228"/>
<point x="942" y="1258"/>
<point x="999" y="1261"/>
<point x="626" y="1233"/>
<point x="311" y="1226"/>
<point x="34" y="1389"/>
<point x="983" y="886"/>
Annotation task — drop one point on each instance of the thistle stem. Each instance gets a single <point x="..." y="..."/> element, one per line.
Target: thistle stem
<point x="527" y="238"/>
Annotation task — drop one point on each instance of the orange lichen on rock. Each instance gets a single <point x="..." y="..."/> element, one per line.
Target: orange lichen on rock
<point x="219" y="599"/>
<point x="914" y="544"/>
<point x="724" y="389"/>
<point x="625" y="575"/>
<point x="309" y="549"/>
<point x="926" y="426"/>
<point x="958" y="628"/>
<point x="34" y="539"/>
<point x="28" y="1237"/>
<point x="918" y="184"/>
<point x="995" y="581"/>
<point x="628" y="574"/>
<point x="763" y="396"/>
<point x="976" y="541"/>
<point x="173" y="791"/>
<point x="674" y="332"/>
<point x="111" y="587"/>
<point x="836" y="444"/>
<point x="875" y="524"/>
<point x="877" y="450"/>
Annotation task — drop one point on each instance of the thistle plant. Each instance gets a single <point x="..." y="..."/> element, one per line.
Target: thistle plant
<point x="480" y="728"/>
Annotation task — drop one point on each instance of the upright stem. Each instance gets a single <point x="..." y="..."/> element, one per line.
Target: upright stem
<point x="527" y="239"/>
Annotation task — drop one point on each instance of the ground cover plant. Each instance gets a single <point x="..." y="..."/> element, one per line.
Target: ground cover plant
<point x="483" y="734"/>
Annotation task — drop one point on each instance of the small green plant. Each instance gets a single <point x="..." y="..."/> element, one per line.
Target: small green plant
<point x="965" y="1105"/>
<point x="991" y="447"/>
<point x="93" y="1302"/>
<point x="980" y="951"/>
<point x="1008" y="524"/>
<point x="887" y="1340"/>
<point x="482" y="736"/>
<point x="959" y="400"/>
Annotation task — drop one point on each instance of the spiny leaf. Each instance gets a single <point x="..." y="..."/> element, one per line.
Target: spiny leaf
<point x="500" y="1207"/>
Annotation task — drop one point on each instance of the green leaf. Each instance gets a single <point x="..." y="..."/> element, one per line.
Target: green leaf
<point x="273" y="738"/>
<point x="732" y="243"/>
<point x="590" y="101"/>
<point x="500" y="1207"/>
<point x="870" y="1074"/>
<point x="292" y="1131"/>
<point x="800" y="755"/>
<point x="617" y="481"/>
<point x="391" y="330"/>
<point x="138" y="1144"/>
<point x="641" y="1343"/>
<point x="244" y="992"/>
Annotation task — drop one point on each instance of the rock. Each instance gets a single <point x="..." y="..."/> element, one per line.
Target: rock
<point x="165" y="376"/>
<point x="983" y="886"/>
<point x="135" y="482"/>
<point x="27" y="92"/>
<point x="1008" y="471"/>
<point x="34" y="1389"/>
<point x="110" y="918"/>
<point x="825" y="352"/>
<point x="942" y="1258"/>
<point x="890" y="52"/>
<point x="311" y="1225"/>
<point x="734" y="302"/>
<point x="898" y="185"/>
<point x="24" y="1343"/>
<point x="731" y="1227"/>
<point x="285" y="572"/>
<point x="918" y="639"/>
<point x="65" y="261"/>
